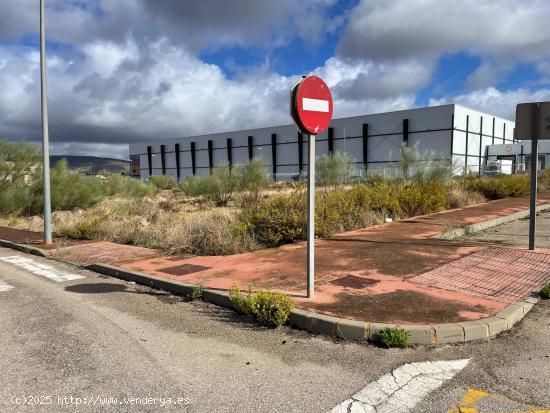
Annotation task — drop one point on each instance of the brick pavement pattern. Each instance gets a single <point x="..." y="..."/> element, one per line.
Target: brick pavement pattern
<point x="504" y="274"/>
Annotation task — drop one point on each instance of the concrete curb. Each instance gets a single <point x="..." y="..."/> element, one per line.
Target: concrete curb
<point x="420" y="334"/>
<point x="480" y="226"/>
<point x="23" y="248"/>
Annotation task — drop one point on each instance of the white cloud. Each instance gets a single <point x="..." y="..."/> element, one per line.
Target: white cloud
<point x="105" y="57"/>
<point x="159" y="90"/>
<point x="492" y="100"/>
<point x="397" y="29"/>
<point x="131" y="69"/>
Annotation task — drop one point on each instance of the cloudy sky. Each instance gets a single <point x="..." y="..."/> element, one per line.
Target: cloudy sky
<point x="131" y="70"/>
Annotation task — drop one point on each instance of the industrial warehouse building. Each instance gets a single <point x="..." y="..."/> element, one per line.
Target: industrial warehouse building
<point x="373" y="141"/>
<point x="516" y="158"/>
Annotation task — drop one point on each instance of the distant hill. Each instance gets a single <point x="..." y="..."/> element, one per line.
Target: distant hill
<point x="93" y="164"/>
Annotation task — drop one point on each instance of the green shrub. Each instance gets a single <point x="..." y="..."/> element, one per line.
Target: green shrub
<point x="15" y="199"/>
<point x="218" y="187"/>
<point x="278" y="220"/>
<point x="394" y="337"/>
<point x="125" y="186"/>
<point x="333" y="169"/>
<point x="87" y="228"/>
<point x="197" y="292"/>
<point x="267" y="308"/>
<point x="69" y="190"/>
<point x="545" y="291"/>
<point x="421" y="198"/>
<point x="497" y="187"/>
<point x="251" y="178"/>
<point x="342" y="210"/>
<point x="382" y="198"/>
<point x="163" y="181"/>
<point x="18" y="162"/>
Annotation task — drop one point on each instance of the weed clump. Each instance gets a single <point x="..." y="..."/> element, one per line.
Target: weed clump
<point x="394" y="337"/>
<point x="266" y="308"/>
<point x="197" y="292"/>
<point x="545" y="291"/>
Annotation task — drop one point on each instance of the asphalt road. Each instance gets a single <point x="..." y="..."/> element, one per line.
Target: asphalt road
<point x="516" y="233"/>
<point x="100" y="340"/>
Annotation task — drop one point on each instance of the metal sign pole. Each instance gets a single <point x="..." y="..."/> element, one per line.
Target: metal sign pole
<point x="311" y="217"/>
<point x="45" y="132"/>
<point x="534" y="168"/>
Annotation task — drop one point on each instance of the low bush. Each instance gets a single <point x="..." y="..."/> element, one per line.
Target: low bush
<point x="497" y="187"/>
<point x="267" y="308"/>
<point x="218" y="187"/>
<point x="545" y="291"/>
<point x="460" y="197"/>
<point x="394" y="337"/>
<point x="197" y="292"/>
<point x="125" y="186"/>
<point x="251" y="179"/>
<point x="163" y="182"/>
<point x="382" y="199"/>
<point x="342" y="210"/>
<point x="16" y="200"/>
<point x="278" y="220"/>
<point x="69" y="190"/>
<point x="333" y="169"/>
<point x="81" y="225"/>
<point x="419" y="198"/>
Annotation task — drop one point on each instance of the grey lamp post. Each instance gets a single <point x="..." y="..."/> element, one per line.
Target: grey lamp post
<point x="45" y="132"/>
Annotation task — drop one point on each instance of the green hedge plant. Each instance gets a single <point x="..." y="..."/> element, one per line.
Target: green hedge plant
<point x="266" y="308"/>
<point x="394" y="337"/>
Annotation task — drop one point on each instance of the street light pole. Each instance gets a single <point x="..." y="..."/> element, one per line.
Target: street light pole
<point x="45" y="132"/>
<point x="311" y="217"/>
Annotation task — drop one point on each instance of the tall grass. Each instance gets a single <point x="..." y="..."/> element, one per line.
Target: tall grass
<point x="161" y="224"/>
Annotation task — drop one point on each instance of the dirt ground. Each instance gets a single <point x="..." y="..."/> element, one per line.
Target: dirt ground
<point x="516" y="233"/>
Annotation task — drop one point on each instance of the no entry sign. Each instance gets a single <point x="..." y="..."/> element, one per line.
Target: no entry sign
<point x="311" y="105"/>
<point x="311" y="110"/>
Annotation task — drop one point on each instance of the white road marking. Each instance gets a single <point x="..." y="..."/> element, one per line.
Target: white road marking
<point x="402" y="389"/>
<point x="315" y="105"/>
<point x="5" y="286"/>
<point x="38" y="268"/>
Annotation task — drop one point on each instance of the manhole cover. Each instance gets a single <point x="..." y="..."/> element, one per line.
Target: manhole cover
<point x="183" y="269"/>
<point x="352" y="281"/>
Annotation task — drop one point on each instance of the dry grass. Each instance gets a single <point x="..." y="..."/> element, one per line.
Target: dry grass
<point x="459" y="197"/>
<point x="177" y="224"/>
<point x="165" y="221"/>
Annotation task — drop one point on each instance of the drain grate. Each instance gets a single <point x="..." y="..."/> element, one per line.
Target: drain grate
<point x="353" y="281"/>
<point x="183" y="269"/>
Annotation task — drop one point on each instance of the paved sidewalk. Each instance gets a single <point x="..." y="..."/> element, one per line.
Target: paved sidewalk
<point x="383" y="273"/>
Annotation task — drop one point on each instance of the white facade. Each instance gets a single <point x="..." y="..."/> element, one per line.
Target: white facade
<point x="518" y="156"/>
<point x="373" y="141"/>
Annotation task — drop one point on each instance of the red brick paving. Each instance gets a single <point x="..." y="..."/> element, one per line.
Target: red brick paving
<point x="501" y="273"/>
<point x="35" y="239"/>
<point x="105" y="252"/>
<point x="392" y="255"/>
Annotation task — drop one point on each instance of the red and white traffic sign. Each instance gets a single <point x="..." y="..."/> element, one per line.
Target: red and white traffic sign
<point x="311" y="105"/>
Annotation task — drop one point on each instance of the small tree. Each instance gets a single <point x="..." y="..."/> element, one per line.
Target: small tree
<point x="163" y="181"/>
<point x="69" y="190"/>
<point x="333" y="169"/>
<point x="251" y="178"/>
<point x="17" y="161"/>
<point x="409" y="162"/>
<point x="218" y="187"/>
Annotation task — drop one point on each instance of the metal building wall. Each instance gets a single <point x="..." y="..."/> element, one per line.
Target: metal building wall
<point x="474" y="132"/>
<point x="430" y="130"/>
